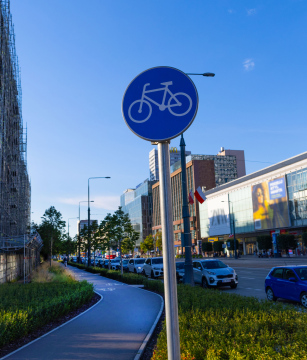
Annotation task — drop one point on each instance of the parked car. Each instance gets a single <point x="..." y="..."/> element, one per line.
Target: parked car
<point x="214" y="273"/>
<point x="180" y="271"/>
<point x="125" y="265"/>
<point x="287" y="282"/>
<point x="114" y="264"/>
<point x="153" y="267"/>
<point x="136" y="265"/>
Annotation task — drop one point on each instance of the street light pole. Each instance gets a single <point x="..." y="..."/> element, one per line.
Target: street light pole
<point x="234" y="231"/>
<point x="187" y="242"/>
<point x="88" y="212"/>
<point x="79" y="249"/>
<point x="233" y="227"/>
<point x="68" y="230"/>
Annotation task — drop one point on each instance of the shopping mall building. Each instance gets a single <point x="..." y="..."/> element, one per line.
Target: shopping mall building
<point x="270" y="201"/>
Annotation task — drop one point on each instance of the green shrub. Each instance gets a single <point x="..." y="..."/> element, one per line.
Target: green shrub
<point x="216" y="325"/>
<point x="26" y="307"/>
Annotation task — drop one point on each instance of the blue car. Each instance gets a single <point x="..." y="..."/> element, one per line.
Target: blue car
<point x="287" y="282"/>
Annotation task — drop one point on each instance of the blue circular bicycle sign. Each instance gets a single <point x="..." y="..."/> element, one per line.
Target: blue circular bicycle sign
<point x="160" y="103"/>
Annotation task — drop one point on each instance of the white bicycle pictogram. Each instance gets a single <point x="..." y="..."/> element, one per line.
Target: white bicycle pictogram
<point x="172" y="107"/>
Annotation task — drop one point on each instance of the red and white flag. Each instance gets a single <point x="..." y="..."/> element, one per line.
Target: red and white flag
<point x="191" y="198"/>
<point x="200" y="196"/>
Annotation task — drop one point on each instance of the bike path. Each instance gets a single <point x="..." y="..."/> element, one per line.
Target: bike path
<point x="114" y="329"/>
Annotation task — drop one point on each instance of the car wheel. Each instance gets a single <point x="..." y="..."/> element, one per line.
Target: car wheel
<point x="152" y="275"/>
<point x="270" y="294"/>
<point x="304" y="299"/>
<point x="135" y="271"/>
<point x="233" y="286"/>
<point x="204" y="283"/>
<point x="144" y="273"/>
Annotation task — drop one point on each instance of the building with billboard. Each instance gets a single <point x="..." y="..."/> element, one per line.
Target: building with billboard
<point x="267" y="202"/>
<point x="137" y="203"/>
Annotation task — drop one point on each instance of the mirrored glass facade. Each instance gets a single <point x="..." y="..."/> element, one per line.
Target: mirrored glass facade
<point x="138" y="204"/>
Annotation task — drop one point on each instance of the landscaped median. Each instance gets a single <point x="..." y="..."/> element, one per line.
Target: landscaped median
<point x="27" y="307"/>
<point x="216" y="325"/>
<point x="127" y="278"/>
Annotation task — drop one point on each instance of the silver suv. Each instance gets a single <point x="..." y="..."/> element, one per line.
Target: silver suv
<point x="153" y="267"/>
<point x="214" y="273"/>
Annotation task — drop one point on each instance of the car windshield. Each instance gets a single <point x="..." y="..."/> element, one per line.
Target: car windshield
<point x="180" y="265"/>
<point x="114" y="261"/>
<point x="140" y="261"/>
<point x="157" y="261"/>
<point x="213" y="264"/>
<point x="125" y="262"/>
<point x="302" y="273"/>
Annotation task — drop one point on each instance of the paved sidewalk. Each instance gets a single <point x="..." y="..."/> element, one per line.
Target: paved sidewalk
<point x="114" y="329"/>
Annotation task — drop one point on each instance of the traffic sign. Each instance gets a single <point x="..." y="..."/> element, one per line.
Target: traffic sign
<point x="160" y="103"/>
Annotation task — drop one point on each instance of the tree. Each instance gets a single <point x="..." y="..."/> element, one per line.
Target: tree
<point x="218" y="246"/>
<point x="207" y="246"/>
<point x="158" y="241"/>
<point x="128" y="243"/>
<point x="286" y="242"/>
<point x="51" y="231"/>
<point x="264" y="242"/>
<point x="147" y="244"/>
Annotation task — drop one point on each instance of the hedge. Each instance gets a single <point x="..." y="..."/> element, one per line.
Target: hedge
<point x="26" y="307"/>
<point x="127" y="278"/>
<point x="216" y="325"/>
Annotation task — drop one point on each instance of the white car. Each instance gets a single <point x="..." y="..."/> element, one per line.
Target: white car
<point x="214" y="273"/>
<point x="136" y="265"/>
<point x="153" y="267"/>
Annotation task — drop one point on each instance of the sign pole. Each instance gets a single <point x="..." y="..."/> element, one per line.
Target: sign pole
<point x="170" y="283"/>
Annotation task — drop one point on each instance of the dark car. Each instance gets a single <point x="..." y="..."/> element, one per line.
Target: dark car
<point x="287" y="282"/>
<point x="180" y="271"/>
<point x="125" y="265"/>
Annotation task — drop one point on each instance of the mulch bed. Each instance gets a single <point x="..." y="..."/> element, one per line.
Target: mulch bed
<point x="151" y="345"/>
<point x="5" y="350"/>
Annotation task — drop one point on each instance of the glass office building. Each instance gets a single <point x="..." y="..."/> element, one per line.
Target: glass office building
<point x="138" y="204"/>
<point x="272" y="200"/>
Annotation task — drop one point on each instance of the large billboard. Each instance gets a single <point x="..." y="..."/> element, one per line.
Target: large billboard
<point x="270" y="204"/>
<point x="218" y="213"/>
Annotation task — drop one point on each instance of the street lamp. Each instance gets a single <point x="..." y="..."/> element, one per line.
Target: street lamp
<point x="187" y="241"/>
<point x="88" y="223"/>
<point x="208" y="74"/>
<point x="79" y="249"/>
<point x="234" y="229"/>
<point x="68" y="233"/>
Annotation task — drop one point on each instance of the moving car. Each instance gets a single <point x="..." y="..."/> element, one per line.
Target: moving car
<point x="136" y="265"/>
<point x="287" y="282"/>
<point x="214" y="273"/>
<point x="153" y="267"/>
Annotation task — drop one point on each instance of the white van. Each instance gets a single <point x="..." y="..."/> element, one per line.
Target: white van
<point x="136" y="265"/>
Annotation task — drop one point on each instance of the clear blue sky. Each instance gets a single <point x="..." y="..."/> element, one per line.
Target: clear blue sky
<point x="77" y="58"/>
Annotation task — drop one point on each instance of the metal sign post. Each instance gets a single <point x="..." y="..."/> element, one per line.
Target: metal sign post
<point x="170" y="283"/>
<point x="158" y="105"/>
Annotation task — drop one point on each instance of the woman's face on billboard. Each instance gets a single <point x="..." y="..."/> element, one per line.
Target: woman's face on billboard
<point x="260" y="196"/>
